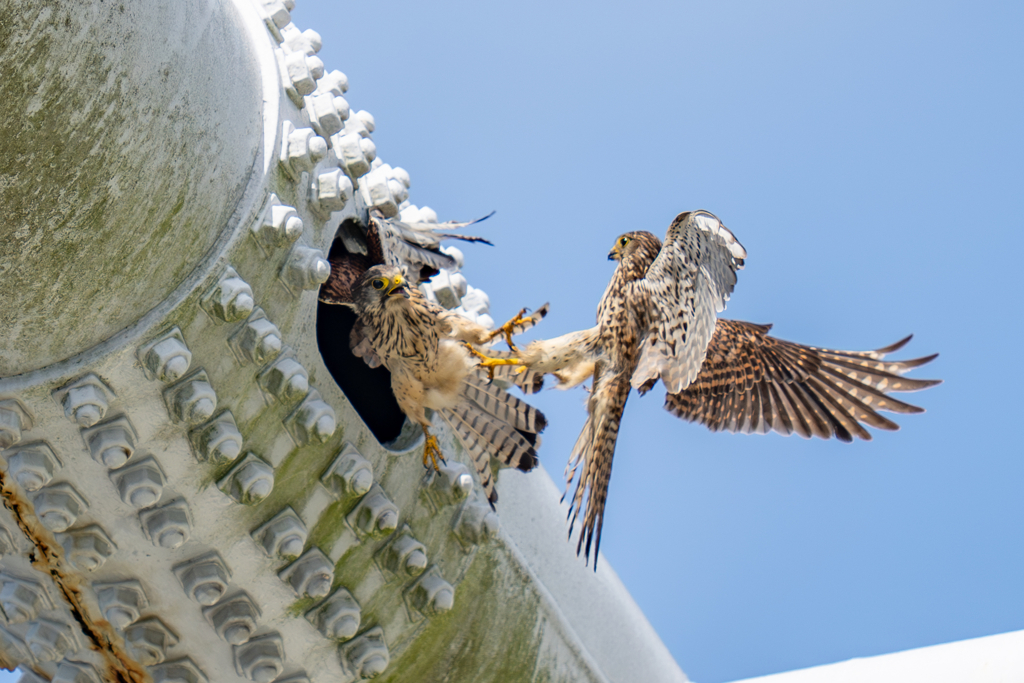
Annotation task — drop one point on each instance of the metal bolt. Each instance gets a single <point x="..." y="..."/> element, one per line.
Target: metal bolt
<point x="307" y="42"/>
<point x="149" y="640"/>
<point x="21" y="598"/>
<point x="431" y="594"/>
<point x="250" y="481"/>
<point x="140" y="485"/>
<point x="7" y="545"/>
<point x="406" y="555"/>
<point x="13" y="419"/>
<point x="327" y="112"/>
<point x="367" y="120"/>
<point x="338" y="617"/>
<point x="15" y="649"/>
<point x="375" y="515"/>
<point x="205" y="579"/>
<point x="477" y="523"/>
<point x="58" y="506"/>
<point x="301" y="149"/>
<point x="277" y="13"/>
<point x="330" y="191"/>
<point x="166" y="358"/>
<point x="313" y="420"/>
<point x="306" y="268"/>
<point x="49" y="640"/>
<point x="283" y="536"/>
<point x="87" y="548"/>
<point x="261" y="659"/>
<point x="111" y="443"/>
<point x="178" y="671"/>
<point x="350" y="474"/>
<point x="451" y="483"/>
<point x="353" y="157"/>
<point x="230" y="299"/>
<point x="303" y="70"/>
<point x="122" y="602"/>
<point x="334" y="82"/>
<point x="286" y="380"/>
<point x="218" y="440"/>
<point x="85" y="401"/>
<point x="32" y="465"/>
<point x="234" y="618"/>
<point x="476" y="300"/>
<point x="367" y="655"/>
<point x="259" y="339"/>
<point x="373" y="188"/>
<point x="312" y="574"/>
<point x="168" y="526"/>
<point x="192" y="400"/>
<point x="75" y="672"/>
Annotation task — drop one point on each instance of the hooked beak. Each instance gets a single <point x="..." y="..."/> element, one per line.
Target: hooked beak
<point x="399" y="288"/>
<point x="613" y="255"/>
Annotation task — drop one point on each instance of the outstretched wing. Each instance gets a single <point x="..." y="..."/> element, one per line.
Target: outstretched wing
<point x="753" y="383"/>
<point x="417" y="246"/>
<point x="684" y="290"/>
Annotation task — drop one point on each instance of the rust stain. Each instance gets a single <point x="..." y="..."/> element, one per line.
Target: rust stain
<point x="48" y="557"/>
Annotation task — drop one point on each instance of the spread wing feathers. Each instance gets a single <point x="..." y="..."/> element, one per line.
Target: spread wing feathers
<point x="753" y="383"/>
<point x="683" y="290"/>
<point x="594" y="450"/>
<point x="412" y="244"/>
<point x="483" y="436"/>
<point x="503" y="405"/>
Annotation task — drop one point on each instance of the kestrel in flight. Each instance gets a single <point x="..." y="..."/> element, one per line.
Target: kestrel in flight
<point x="658" y="321"/>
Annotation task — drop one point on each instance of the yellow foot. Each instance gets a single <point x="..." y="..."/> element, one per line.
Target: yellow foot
<point x="491" y="363"/>
<point x="431" y="451"/>
<point x="508" y="329"/>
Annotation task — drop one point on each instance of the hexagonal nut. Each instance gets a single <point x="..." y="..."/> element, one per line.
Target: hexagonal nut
<point x="327" y="112"/>
<point x="313" y="420"/>
<point x="218" y="440"/>
<point x="283" y="536"/>
<point x="301" y="149"/>
<point x="330" y="191"/>
<point x="140" y="485"/>
<point x="312" y="574"/>
<point x="7" y="544"/>
<point x="286" y="380"/>
<point x="335" y="83"/>
<point x="178" y="671"/>
<point x="353" y="156"/>
<point x="338" y="617"/>
<point x="166" y="358"/>
<point x="261" y="659"/>
<point x="58" y="506"/>
<point x="373" y="188"/>
<point x="293" y="40"/>
<point x="205" y="578"/>
<point x="375" y="515"/>
<point x="48" y="640"/>
<point x="230" y="299"/>
<point x="121" y="602"/>
<point x="148" y="641"/>
<point x="32" y="465"/>
<point x="278" y="15"/>
<point x="87" y="548"/>
<point x="405" y="555"/>
<point x="451" y="483"/>
<point x="280" y="224"/>
<point x="112" y="442"/>
<point x="477" y="523"/>
<point x="303" y="70"/>
<point x="234" y="618"/>
<point x="249" y="482"/>
<point x="305" y="268"/>
<point x="350" y="475"/>
<point x="367" y="656"/>
<point x="22" y="598"/>
<point x="14" y="648"/>
<point x="192" y="400"/>
<point x="168" y="526"/>
<point x="85" y="401"/>
<point x="431" y="594"/>
<point x="13" y="420"/>
<point x="76" y="672"/>
<point x="259" y="340"/>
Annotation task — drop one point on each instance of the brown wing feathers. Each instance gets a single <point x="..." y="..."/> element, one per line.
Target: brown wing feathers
<point x="753" y="383"/>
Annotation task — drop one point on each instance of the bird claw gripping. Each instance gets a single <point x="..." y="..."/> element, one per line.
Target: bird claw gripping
<point x="508" y="329"/>
<point x="491" y="363"/>
<point x="431" y="452"/>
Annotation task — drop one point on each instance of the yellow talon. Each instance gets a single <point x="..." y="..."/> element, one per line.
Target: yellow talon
<point x="507" y="330"/>
<point x="491" y="363"/>
<point x="431" y="451"/>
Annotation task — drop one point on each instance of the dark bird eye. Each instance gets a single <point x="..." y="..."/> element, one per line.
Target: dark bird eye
<point x="378" y="284"/>
<point x="624" y="241"/>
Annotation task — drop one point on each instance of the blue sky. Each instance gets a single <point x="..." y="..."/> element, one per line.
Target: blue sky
<point x="868" y="156"/>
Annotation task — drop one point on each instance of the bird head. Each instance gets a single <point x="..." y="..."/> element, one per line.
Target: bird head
<point x="379" y="285"/>
<point x="631" y="242"/>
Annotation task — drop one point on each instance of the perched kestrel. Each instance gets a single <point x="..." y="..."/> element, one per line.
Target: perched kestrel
<point x="429" y="352"/>
<point x="657" y="320"/>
